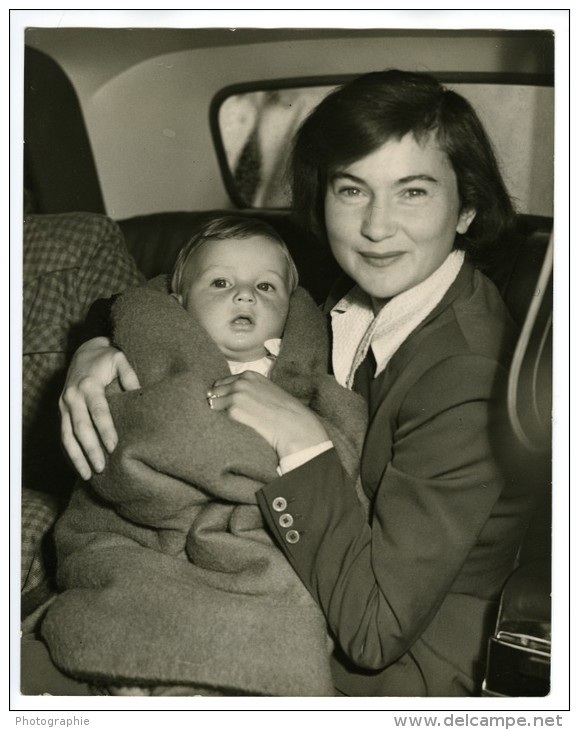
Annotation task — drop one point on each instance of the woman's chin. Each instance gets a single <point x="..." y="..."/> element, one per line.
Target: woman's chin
<point x="381" y="293"/>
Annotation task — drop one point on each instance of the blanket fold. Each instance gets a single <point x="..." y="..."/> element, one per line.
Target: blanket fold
<point x="168" y="574"/>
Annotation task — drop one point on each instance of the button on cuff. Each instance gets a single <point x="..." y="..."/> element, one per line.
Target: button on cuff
<point x="292" y="536"/>
<point x="286" y="520"/>
<point x="279" y="504"/>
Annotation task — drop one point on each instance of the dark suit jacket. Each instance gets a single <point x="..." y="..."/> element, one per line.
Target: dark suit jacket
<point x="411" y="595"/>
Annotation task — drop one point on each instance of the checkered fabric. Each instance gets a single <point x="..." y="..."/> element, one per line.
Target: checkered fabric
<point x="69" y="261"/>
<point x="39" y="512"/>
<point x="37" y="558"/>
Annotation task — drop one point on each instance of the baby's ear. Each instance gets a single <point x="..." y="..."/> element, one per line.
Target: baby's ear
<point x="178" y="297"/>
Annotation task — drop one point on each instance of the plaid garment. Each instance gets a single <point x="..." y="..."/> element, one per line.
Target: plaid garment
<point x="37" y="555"/>
<point x="69" y="261"/>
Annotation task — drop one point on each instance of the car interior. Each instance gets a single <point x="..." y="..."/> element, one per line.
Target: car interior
<point x="154" y="129"/>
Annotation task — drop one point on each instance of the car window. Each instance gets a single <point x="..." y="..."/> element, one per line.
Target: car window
<point x="253" y="130"/>
<point x="256" y="129"/>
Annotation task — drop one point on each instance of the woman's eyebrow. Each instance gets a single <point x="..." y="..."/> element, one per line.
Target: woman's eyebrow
<point x="340" y="174"/>
<point x="413" y="178"/>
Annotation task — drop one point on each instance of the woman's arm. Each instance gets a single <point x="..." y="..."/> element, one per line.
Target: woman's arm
<point x="380" y="584"/>
<point x="86" y="422"/>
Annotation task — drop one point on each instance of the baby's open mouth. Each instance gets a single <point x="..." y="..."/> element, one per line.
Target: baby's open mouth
<point x="243" y="320"/>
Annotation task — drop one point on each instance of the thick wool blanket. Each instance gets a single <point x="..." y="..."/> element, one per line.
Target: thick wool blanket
<point x="168" y="574"/>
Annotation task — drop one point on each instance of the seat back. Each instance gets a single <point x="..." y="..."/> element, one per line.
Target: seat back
<point x="60" y="174"/>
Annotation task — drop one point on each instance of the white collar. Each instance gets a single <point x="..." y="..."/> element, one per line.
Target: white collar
<point x="263" y="365"/>
<point x="355" y="328"/>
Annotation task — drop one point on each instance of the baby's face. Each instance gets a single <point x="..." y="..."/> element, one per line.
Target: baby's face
<point x="239" y="291"/>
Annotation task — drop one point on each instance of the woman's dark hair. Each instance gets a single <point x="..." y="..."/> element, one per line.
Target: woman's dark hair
<point x="358" y="118"/>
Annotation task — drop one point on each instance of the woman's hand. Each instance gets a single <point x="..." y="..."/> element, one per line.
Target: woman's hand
<point x="250" y="398"/>
<point x="86" y="422"/>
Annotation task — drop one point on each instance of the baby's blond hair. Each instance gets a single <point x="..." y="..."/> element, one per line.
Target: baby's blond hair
<point x="224" y="228"/>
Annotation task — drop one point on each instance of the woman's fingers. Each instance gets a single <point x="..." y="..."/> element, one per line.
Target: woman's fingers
<point x="231" y="379"/>
<point x="86" y="420"/>
<point x="100" y="421"/>
<point x="127" y="376"/>
<point x="230" y="384"/>
<point x="285" y="423"/>
<point x="230" y="391"/>
<point x="218" y="402"/>
<point x="72" y="448"/>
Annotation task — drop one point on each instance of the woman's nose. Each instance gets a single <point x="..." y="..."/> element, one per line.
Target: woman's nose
<point x="379" y="222"/>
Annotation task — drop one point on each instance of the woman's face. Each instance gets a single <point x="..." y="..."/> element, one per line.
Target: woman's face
<point x="392" y="216"/>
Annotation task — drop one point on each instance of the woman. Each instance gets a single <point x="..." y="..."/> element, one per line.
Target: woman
<point x="397" y="175"/>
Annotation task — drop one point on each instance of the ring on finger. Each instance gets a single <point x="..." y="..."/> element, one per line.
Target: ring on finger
<point x="210" y="398"/>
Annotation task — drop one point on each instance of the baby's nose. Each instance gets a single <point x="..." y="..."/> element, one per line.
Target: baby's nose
<point x="244" y="294"/>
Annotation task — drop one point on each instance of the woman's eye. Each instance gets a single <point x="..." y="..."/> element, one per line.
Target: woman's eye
<point x="412" y="193"/>
<point x="219" y="283"/>
<point x="350" y="192"/>
<point x="265" y="286"/>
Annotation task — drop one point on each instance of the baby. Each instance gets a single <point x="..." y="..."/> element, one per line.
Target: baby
<point x="236" y="276"/>
<point x="172" y="584"/>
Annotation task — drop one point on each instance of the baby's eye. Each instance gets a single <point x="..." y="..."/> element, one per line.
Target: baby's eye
<point x="220" y="283"/>
<point x="265" y="286"/>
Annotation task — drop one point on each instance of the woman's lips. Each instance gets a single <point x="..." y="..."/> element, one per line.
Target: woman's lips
<point x="381" y="260"/>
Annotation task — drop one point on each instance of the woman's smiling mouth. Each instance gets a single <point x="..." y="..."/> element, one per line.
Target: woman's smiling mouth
<point x="380" y="260"/>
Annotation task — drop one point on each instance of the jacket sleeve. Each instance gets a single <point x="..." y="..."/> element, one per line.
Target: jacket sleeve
<point x="380" y="582"/>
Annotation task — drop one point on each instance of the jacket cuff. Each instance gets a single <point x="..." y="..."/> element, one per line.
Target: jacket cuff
<point x="296" y="506"/>
<point x="293" y="461"/>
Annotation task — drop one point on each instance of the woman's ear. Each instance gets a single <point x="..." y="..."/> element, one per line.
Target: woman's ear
<point x="178" y="297"/>
<point x="465" y="218"/>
